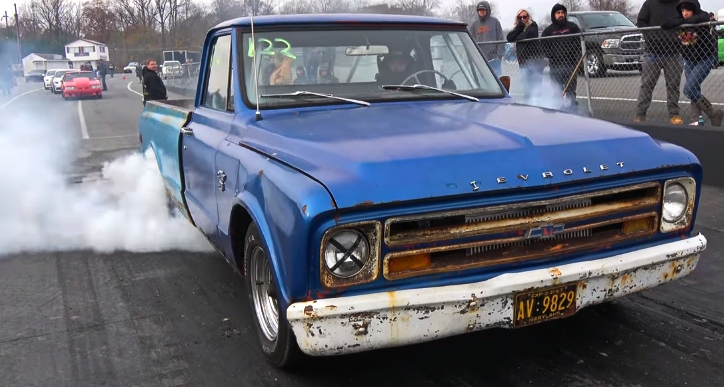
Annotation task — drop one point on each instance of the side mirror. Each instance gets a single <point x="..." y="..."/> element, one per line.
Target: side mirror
<point x="506" y="82"/>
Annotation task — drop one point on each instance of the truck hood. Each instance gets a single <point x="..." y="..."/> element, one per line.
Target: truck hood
<point x="398" y="152"/>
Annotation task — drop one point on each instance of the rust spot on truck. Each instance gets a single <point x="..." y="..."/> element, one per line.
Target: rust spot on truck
<point x="331" y="307"/>
<point x="261" y="173"/>
<point x="309" y="312"/>
<point x="304" y="209"/>
<point x="365" y="203"/>
<point x="471" y="306"/>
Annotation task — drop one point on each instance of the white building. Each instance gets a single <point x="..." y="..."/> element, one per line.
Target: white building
<point x="84" y="50"/>
<point x="37" y="61"/>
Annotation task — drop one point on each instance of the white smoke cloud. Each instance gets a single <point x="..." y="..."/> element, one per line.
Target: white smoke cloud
<point x="40" y="210"/>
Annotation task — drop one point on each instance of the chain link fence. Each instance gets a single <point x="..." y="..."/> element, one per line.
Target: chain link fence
<point x="632" y="74"/>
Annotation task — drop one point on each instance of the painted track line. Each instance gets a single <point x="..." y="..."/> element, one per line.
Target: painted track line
<point x="83" y="125"/>
<point x="18" y="96"/>
<point x="131" y="90"/>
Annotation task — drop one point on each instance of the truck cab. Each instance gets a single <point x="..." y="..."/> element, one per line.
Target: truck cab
<point x="375" y="185"/>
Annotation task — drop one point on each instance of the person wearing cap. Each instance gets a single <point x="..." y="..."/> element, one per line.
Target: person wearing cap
<point x="700" y="51"/>
<point x="324" y="77"/>
<point x="487" y="28"/>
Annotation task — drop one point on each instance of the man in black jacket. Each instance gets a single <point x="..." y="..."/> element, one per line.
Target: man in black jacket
<point x="563" y="54"/>
<point x="153" y="87"/>
<point x="662" y="53"/>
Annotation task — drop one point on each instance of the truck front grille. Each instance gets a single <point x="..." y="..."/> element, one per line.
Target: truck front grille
<point x="462" y="239"/>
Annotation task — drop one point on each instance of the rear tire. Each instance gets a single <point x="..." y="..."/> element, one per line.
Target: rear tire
<point x="276" y="338"/>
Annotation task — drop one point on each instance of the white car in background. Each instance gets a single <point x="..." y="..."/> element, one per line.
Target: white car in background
<point x="57" y="81"/>
<point x="131" y="68"/>
<point x="48" y="79"/>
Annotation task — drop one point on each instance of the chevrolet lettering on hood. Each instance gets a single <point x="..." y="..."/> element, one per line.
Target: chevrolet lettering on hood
<point x="545" y="175"/>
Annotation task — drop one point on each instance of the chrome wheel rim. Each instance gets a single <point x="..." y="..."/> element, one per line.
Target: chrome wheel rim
<point x="264" y="293"/>
<point x="592" y="63"/>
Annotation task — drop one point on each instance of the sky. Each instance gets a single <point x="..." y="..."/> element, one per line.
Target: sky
<point x="504" y="9"/>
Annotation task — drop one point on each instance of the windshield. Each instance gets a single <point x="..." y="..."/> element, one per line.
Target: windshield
<point x="172" y="63"/>
<point x="606" y="20"/>
<point x="50" y="73"/>
<point x="60" y="73"/>
<point x="356" y="63"/>
<point x="37" y="71"/>
<point x="82" y="74"/>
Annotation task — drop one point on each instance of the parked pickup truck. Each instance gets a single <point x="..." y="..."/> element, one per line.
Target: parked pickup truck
<point x="383" y="202"/>
<point x="620" y="50"/>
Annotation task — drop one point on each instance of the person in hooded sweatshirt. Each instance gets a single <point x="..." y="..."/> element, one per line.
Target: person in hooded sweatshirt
<point x="529" y="56"/>
<point x="488" y="29"/>
<point x="563" y="53"/>
<point x="700" y="51"/>
<point x="662" y="52"/>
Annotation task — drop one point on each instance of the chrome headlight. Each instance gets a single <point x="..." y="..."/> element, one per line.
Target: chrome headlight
<point x="677" y="206"/>
<point x="346" y="253"/>
<point x="349" y="254"/>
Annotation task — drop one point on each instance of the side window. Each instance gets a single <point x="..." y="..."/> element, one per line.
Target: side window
<point x="450" y="64"/>
<point x="217" y="93"/>
<point x="574" y="20"/>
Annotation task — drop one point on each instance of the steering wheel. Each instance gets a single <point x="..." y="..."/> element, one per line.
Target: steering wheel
<point x="415" y="74"/>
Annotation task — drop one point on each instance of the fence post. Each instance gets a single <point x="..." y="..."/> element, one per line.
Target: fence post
<point x="585" y="74"/>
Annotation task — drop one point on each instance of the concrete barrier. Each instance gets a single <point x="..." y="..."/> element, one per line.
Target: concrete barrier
<point x="706" y="142"/>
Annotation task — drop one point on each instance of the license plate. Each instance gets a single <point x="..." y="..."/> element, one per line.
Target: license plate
<point x="541" y="305"/>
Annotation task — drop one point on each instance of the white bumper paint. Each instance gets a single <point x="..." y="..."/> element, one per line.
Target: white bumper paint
<point x="390" y="319"/>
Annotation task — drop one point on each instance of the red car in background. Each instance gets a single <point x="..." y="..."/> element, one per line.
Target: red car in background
<point x="81" y="84"/>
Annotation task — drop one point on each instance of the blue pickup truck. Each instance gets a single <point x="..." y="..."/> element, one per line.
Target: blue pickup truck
<point x="373" y="193"/>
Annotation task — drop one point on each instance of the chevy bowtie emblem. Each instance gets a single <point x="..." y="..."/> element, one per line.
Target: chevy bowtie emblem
<point x="544" y="231"/>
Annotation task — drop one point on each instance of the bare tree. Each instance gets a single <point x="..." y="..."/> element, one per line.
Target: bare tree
<point x="623" y="6"/>
<point x="462" y="10"/>
<point x="419" y="7"/>
<point x="573" y="5"/>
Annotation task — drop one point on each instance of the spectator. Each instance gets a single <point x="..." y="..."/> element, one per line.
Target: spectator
<point x="564" y="54"/>
<point x="662" y="52"/>
<point x="7" y="80"/>
<point x="324" y="77"/>
<point x="282" y="75"/>
<point x="529" y="57"/>
<point x="102" y="72"/>
<point x="700" y="52"/>
<point x="153" y="87"/>
<point x="712" y="17"/>
<point x="488" y="29"/>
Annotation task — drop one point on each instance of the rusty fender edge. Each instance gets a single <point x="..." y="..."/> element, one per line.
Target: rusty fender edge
<point x="344" y="325"/>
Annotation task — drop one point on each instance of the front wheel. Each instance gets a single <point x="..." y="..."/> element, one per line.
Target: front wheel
<point x="594" y="65"/>
<point x="276" y="338"/>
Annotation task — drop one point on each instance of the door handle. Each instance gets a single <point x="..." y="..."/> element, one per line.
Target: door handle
<point x="222" y="180"/>
<point x="187" y="131"/>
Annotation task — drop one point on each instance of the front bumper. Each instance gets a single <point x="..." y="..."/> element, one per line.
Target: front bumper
<point x="360" y="323"/>
<point x="622" y="60"/>
<point x="81" y="93"/>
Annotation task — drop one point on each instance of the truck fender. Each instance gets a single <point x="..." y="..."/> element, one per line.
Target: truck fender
<point x="250" y="203"/>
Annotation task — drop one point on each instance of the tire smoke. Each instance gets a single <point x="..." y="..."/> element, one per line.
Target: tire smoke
<point x="42" y="211"/>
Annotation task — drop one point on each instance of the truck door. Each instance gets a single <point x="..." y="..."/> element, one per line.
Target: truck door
<point x="210" y="125"/>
